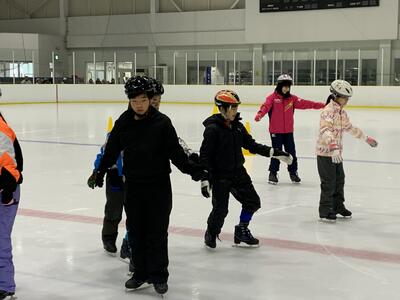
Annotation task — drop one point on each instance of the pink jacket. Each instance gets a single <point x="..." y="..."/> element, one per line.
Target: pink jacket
<point x="334" y="121"/>
<point x="281" y="111"/>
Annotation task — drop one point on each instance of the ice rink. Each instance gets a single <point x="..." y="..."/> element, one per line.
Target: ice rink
<point x="57" y="235"/>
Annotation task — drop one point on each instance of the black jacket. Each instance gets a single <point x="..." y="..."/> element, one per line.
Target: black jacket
<point x="221" y="150"/>
<point x="147" y="146"/>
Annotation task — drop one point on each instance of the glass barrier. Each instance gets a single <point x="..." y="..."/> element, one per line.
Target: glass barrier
<point x="205" y="66"/>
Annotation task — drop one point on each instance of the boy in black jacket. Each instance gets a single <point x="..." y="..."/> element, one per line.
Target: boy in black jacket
<point x="221" y="154"/>
<point x="149" y="141"/>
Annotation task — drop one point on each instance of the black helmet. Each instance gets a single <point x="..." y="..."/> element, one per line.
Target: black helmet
<point x="158" y="88"/>
<point x="137" y="85"/>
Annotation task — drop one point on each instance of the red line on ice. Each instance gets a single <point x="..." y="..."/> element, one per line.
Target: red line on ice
<point x="268" y="242"/>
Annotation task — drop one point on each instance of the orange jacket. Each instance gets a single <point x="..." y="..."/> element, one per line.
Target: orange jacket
<point x="11" y="161"/>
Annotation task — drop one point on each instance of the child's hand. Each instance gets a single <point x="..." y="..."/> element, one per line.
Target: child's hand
<point x="258" y="117"/>
<point x="371" y="141"/>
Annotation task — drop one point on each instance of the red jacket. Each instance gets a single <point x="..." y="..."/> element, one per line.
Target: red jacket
<point x="281" y="111"/>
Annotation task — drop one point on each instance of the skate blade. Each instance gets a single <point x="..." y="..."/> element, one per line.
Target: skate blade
<point x="125" y="260"/>
<point x="273" y="183"/>
<point x="344" y="217"/>
<point x="110" y="253"/>
<point x="322" y="220"/>
<point x="209" y="248"/>
<point x="294" y="182"/>
<point x="142" y="287"/>
<point x="244" y="245"/>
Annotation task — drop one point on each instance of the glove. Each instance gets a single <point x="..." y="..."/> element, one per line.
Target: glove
<point x="257" y="117"/>
<point x="337" y="157"/>
<point x="7" y="185"/>
<point x="194" y="157"/>
<point x="371" y="141"/>
<point x="281" y="155"/>
<point x="205" y="188"/>
<point x="7" y="197"/>
<point x="96" y="179"/>
<point x="200" y="175"/>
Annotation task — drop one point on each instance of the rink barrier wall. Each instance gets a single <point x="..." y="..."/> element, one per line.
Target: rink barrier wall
<point x="364" y="96"/>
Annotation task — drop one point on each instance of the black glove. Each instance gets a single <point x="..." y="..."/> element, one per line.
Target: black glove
<point x="281" y="155"/>
<point x="96" y="179"/>
<point x="115" y="179"/>
<point x="194" y="157"/>
<point x="205" y="188"/>
<point x="200" y="175"/>
<point x="8" y="185"/>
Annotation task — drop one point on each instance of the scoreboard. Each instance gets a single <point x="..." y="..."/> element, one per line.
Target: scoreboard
<point x="291" y="5"/>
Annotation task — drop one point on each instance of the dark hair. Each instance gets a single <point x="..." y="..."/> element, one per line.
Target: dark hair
<point x="330" y="97"/>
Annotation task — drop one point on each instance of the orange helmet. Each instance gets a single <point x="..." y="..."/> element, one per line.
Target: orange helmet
<point x="226" y="98"/>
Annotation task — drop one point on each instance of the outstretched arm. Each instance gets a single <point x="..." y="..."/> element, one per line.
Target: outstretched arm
<point x="300" y="103"/>
<point x="264" y="108"/>
<point x="250" y="144"/>
<point x="357" y="132"/>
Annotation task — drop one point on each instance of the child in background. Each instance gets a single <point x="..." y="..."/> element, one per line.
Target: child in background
<point x="280" y="106"/>
<point x="333" y="123"/>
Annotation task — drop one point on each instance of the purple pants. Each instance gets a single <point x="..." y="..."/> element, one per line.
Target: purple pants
<point x="7" y="217"/>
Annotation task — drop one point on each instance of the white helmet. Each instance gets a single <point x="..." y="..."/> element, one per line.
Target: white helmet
<point x="285" y="78"/>
<point x="341" y="88"/>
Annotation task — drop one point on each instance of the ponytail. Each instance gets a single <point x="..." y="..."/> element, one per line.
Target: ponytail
<point x="331" y="97"/>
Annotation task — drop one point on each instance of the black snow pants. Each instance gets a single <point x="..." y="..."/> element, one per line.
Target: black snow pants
<point x="112" y="211"/>
<point x="332" y="185"/>
<point x="148" y="206"/>
<point x="241" y="187"/>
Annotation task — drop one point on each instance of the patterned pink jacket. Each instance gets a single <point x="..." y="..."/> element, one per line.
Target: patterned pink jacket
<point x="333" y="122"/>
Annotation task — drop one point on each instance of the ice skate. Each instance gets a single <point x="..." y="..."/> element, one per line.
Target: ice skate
<point x="134" y="284"/>
<point x="244" y="238"/>
<point x="110" y="248"/>
<point x="210" y="240"/>
<point x="7" y="295"/>
<point x="294" y="177"/>
<point x="344" y="213"/>
<point x="273" y="178"/>
<point x="328" y="218"/>
<point x="161" y="288"/>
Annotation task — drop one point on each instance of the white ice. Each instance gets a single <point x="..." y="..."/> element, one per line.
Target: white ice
<point x="60" y="256"/>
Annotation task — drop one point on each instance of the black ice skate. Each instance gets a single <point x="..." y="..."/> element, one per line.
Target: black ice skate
<point x="110" y="247"/>
<point x="210" y="240"/>
<point x="294" y="177"/>
<point x="344" y="212"/>
<point x="273" y="178"/>
<point x="125" y="250"/>
<point x="4" y="295"/>
<point x="329" y="217"/>
<point x="134" y="284"/>
<point x="243" y="235"/>
<point x="161" y="288"/>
